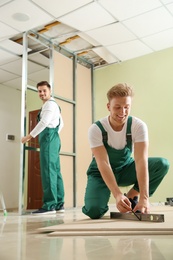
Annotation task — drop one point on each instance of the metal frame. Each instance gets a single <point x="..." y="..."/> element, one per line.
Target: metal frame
<point x="23" y="148"/>
<point x="23" y="121"/>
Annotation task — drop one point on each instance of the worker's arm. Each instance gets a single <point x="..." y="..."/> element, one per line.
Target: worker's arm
<point x="141" y="163"/>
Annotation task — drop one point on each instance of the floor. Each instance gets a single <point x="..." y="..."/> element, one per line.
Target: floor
<point x="21" y="239"/>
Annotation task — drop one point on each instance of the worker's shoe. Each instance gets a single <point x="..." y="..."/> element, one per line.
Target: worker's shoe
<point x="43" y="212"/>
<point x="60" y="210"/>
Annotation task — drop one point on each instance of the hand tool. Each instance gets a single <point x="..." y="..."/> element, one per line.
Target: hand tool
<point x="141" y="216"/>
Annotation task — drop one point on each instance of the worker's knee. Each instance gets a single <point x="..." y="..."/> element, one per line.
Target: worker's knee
<point x="94" y="212"/>
<point x="164" y="165"/>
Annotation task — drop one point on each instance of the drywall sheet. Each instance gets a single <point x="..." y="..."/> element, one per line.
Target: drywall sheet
<point x="108" y="227"/>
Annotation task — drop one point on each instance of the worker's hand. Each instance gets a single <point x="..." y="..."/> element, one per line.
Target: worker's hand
<point x="143" y="206"/>
<point x="26" y="139"/>
<point x="122" y="203"/>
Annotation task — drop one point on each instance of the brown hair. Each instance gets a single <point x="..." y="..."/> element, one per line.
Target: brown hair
<point x="43" y="83"/>
<point x="120" y="90"/>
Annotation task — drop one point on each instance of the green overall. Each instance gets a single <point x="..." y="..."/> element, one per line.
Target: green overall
<point x="123" y="166"/>
<point x="52" y="182"/>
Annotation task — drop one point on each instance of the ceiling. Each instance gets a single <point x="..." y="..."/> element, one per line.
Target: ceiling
<point x="100" y="32"/>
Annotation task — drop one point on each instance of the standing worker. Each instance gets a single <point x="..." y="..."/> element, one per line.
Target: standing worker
<point x="49" y="125"/>
<point x="112" y="141"/>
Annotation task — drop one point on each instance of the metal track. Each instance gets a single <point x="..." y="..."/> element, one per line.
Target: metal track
<point x="141" y="216"/>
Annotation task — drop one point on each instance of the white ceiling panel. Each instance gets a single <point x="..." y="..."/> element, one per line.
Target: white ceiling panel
<point x="101" y="32"/>
<point x="39" y="76"/>
<point x="167" y="1"/>
<point x="150" y="23"/>
<point x="5" y="76"/>
<point x="14" y="67"/>
<point x="15" y="83"/>
<point x="129" y="50"/>
<point x="23" y="15"/>
<point x="58" y="8"/>
<point x="6" y="31"/>
<point x="2" y="2"/>
<point x="33" y="79"/>
<point x="88" y="17"/>
<point x="33" y="83"/>
<point x="39" y="59"/>
<point x="124" y="9"/>
<point x="33" y="67"/>
<point x="160" y="41"/>
<point x="105" y="54"/>
<point x="170" y="7"/>
<point x="113" y="33"/>
<point x="87" y="37"/>
<point x="7" y="57"/>
<point x="12" y="46"/>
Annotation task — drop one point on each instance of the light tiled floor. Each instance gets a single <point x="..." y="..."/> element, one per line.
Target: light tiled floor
<point x="20" y="240"/>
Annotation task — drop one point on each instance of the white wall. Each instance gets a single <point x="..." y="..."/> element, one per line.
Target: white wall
<point x="10" y="150"/>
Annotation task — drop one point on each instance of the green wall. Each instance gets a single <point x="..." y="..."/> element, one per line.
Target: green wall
<point x="152" y="79"/>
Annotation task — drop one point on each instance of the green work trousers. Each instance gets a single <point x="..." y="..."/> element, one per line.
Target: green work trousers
<point x="52" y="182"/>
<point x="97" y="193"/>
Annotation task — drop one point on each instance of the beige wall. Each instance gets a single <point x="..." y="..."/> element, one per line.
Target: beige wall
<point x="152" y="78"/>
<point x="63" y="87"/>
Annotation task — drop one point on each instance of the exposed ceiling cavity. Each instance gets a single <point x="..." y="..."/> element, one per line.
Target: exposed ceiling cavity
<point x="99" y="33"/>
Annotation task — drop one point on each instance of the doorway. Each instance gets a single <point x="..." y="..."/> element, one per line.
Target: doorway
<point x="35" y="193"/>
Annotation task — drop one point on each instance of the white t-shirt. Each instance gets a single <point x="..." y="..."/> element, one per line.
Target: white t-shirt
<point x="50" y="117"/>
<point x="117" y="139"/>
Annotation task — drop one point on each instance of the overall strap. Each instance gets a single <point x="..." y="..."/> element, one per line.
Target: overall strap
<point x="56" y="103"/>
<point x="38" y="115"/>
<point x="104" y="133"/>
<point x="128" y="133"/>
